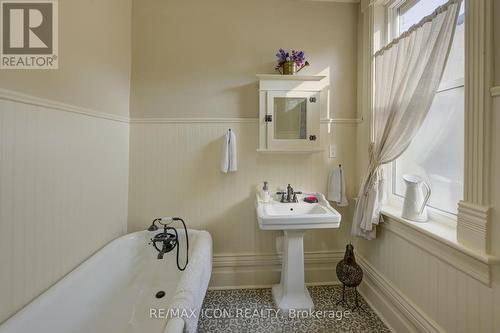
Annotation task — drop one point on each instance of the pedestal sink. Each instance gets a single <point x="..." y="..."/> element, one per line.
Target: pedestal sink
<point x="295" y="219"/>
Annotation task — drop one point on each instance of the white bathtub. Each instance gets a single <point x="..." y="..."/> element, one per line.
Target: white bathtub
<point x="114" y="290"/>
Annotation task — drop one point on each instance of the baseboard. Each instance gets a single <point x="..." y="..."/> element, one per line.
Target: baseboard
<point x="398" y="311"/>
<point x="263" y="286"/>
<point x="240" y="271"/>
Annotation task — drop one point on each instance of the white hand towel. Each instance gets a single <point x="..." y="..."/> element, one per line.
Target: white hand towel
<point x="229" y="155"/>
<point x="336" y="187"/>
<point x="224" y="167"/>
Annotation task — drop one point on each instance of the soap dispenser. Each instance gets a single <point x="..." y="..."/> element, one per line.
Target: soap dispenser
<point x="266" y="195"/>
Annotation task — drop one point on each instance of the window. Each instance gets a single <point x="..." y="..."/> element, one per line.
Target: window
<point x="411" y="12"/>
<point x="437" y="152"/>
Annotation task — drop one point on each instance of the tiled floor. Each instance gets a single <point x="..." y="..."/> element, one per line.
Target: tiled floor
<point x="253" y="310"/>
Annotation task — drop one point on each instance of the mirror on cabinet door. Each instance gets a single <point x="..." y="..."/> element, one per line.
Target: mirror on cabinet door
<point x="290" y="121"/>
<point x="294" y="120"/>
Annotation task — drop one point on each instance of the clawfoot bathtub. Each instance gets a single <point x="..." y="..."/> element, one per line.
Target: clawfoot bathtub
<point x="115" y="291"/>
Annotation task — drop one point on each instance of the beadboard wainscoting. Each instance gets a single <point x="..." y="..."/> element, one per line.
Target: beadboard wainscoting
<point x="63" y="191"/>
<point x="175" y="170"/>
<point x="414" y="290"/>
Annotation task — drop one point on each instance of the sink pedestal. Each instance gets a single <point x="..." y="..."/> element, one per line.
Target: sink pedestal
<point x="295" y="219"/>
<point x="292" y="293"/>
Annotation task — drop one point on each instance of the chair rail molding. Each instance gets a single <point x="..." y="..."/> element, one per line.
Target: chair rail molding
<point x="14" y="96"/>
<point x="218" y="120"/>
<point x="474" y="210"/>
<point x="18" y="97"/>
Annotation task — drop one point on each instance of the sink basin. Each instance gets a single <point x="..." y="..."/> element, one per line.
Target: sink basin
<point x="276" y="215"/>
<point x="295" y="219"/>
<point x="294" y="209"/>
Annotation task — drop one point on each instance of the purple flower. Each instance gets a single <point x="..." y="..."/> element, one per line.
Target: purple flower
<point x="297" y="57"/>
<point x="281" y="55"/>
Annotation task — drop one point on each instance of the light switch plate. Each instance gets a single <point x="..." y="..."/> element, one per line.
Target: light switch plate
<point x="332" y="149"/>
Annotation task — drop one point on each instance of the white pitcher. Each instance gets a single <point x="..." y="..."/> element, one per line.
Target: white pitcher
<point x="414" y="206"/>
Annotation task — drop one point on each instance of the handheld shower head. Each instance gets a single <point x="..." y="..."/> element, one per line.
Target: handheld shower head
<point x="164" y="221"/>
<point x="153" y="226"/>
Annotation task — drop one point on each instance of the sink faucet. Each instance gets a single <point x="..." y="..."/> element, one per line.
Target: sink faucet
<point x="291" y="195"/>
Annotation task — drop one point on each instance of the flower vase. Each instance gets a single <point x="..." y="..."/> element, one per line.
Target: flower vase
<point x="289" y="68"/>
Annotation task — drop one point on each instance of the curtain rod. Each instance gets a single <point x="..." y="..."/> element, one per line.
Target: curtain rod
<point x="414" y="27"/>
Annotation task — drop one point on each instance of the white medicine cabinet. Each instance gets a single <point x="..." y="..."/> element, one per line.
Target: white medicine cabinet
<point x="289" y="113"/>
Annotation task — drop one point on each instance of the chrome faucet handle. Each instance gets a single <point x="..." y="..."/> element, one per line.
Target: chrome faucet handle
<point x="282" y="196"/>
<point x="295" y="196"/>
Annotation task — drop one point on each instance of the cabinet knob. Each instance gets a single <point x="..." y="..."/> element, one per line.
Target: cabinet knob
<point x="312" y="99"/>
<point x="269" y="118"/>
<point x="312" y="137"/>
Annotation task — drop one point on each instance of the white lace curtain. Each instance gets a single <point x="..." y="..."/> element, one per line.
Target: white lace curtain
<point x="407" y="74"/>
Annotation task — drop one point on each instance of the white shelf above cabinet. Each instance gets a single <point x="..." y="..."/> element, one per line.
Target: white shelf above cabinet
<point x="288" y="151"/>
<point x="281" y="77"/>
<point x="269" y="82"/>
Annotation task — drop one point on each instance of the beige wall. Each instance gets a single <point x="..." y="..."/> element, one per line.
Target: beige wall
<point x="94" y="58"/>
<point x="496" y="23"/>
<point x="64" y="169"/>
<point x="199" y="58"/>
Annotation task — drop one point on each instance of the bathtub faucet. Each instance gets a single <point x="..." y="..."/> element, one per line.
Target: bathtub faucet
<point x="165" y="241"/>
<point x="168" y="239"/>
<point x="168" y="243"/>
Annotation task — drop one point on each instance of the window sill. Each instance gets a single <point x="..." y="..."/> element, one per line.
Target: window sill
<point x="442" y="231"/>
<point x="439" y="238"/>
